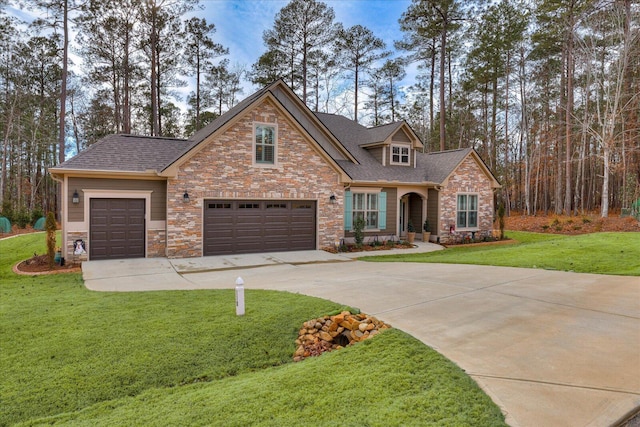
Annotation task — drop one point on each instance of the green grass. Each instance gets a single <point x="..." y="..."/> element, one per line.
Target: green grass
<point x="601" y="253"/>
<point x="72" y="356"/>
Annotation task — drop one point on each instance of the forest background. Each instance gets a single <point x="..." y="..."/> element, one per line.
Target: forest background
<point x="547" y="91"/>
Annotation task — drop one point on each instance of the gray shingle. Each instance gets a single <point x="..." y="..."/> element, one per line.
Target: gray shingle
<point x="130" y="153"/>
<point x="127" y="153"/>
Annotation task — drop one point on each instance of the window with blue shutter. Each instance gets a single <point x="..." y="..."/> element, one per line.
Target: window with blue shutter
<point x="348" y="210"/>
<point x="371" y="207"/>
<point x="382" y="210"/>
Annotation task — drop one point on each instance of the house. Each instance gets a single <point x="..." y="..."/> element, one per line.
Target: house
<point x="268" y="175"/>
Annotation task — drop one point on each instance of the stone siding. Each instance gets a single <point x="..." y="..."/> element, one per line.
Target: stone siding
<point x="156" y="243"/>
<point x="224" y="169"/>
<point x="468" y="178"/>
<point x="72" y="236"/>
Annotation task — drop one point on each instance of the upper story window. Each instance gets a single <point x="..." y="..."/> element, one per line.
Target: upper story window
<point x="467" y="212"/>
<point x="400" y="154"/>
<point x="265" y="144"/>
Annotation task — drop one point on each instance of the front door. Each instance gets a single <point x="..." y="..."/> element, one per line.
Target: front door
<point x="404" y="211"/>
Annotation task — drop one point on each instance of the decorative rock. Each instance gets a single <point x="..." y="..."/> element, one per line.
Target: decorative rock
<point x="325" y="334"/>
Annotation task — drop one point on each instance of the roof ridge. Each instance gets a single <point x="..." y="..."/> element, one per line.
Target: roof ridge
<point x="449" y="151"/>
<point x="130" y="135"/>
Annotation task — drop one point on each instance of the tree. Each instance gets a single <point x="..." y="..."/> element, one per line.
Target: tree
<point x="422" y="22"/>
<point x="300" y="29"/>
<point x="358" y="49"/>
<point x="199" y="51"/>
<point x="161" y="27"/>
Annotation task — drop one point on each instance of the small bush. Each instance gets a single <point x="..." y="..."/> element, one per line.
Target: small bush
<point x="358" y="230"/>
<point x="50" y="226"/>
<point x="21" y="218"/>
<point x="586" y="220"/>
<point x="555" y="222"/>
<point x="36" y="214"/>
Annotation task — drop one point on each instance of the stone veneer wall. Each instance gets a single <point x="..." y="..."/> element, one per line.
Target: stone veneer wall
<point x="72" y="236"/>
<point x="468" y="178"/>
<point x="156" y="243"/>
<point x="223" y="169"/>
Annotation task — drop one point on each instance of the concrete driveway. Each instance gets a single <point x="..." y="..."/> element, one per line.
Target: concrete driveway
<point x="550" y="348"/>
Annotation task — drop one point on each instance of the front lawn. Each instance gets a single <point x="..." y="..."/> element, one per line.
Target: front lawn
<point x="602" y="253"/>
<point x="70" y="355"/>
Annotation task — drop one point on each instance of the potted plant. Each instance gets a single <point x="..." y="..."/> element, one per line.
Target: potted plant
<point x="411" y="232"/>
<point x="426" y="231"/>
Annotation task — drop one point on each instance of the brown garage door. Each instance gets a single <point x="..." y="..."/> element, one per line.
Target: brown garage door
<point x="250" y="226"/>
<point x="117" y="229"/>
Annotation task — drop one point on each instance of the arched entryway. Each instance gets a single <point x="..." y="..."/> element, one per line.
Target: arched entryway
<point x="412" y="209"/>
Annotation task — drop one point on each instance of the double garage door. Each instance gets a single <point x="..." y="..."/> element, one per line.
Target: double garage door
<point x="116" y="229"/>
<point x="251" y="226"/>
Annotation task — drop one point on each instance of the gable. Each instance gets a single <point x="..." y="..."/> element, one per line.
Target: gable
<point x="253" y="111"/>
<point x="229" y="153"/>
<point x="473" y="172"/>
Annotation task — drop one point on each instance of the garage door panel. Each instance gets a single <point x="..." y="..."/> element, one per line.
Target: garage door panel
<point x="248" y="226"/>
<point x="117" y="228"/>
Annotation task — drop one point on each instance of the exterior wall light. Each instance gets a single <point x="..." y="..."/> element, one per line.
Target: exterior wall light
<point x="185" y="197"/>
<point x="75" y="199"/>
<point x="332" y="199"/>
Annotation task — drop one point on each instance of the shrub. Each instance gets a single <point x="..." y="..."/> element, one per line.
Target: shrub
<point x="501" y="220"/>
<point x="50" y="226"/>
<point x="358" y="230"/>
<point x="36" y="214"/>
<point x="22" y="218"/>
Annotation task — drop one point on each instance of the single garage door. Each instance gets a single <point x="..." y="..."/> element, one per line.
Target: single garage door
<point x="250" y="226"/>
<point x="117" y="229"/>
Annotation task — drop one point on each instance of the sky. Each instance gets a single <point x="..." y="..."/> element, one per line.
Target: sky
<point x="241" y="23"/>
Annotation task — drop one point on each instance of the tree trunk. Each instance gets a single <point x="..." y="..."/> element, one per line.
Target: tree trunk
<point x="63" y="83"/>
<point x="443" y="53"/>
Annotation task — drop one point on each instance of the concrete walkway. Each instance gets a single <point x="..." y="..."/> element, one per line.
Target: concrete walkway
<point x="550" y="348"/>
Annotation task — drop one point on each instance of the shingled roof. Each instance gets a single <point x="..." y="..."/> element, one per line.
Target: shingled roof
<point x="143" y="154"/>
<point x="127" y="153"/>
<point x="430" y="167"/>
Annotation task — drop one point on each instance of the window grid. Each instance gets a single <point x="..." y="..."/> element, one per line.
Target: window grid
<point x="265" y="144"/>
<point x="365" y="206"/>
<point x="399" y="154"/>
<point x="467" y="211"/>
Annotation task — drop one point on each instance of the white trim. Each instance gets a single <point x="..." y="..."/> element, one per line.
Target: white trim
<point x="401" y="146"/>
<point x="119" y="194"/>
<point x="275" y="163"/>
<point x="384" y="155"/>
<point x="365" y="189"/>
<point x="477" y="227"/>
<point x="65" y="214"/>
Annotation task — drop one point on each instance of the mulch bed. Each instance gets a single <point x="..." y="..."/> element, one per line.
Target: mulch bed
<point x="369" y="248"/>
<point x="39" y="264"/>
<point x="572" y="225"/>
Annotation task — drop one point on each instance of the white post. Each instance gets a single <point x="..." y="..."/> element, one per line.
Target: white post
<point x="239" y="296"/>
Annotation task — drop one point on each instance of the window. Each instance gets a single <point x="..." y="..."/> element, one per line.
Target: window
<point x="467" y="211"/>
<point x="365" y="206"/>
<point x="368" y="204"/>
<point x="399" y="155"/>
<point x="265" y="147"/>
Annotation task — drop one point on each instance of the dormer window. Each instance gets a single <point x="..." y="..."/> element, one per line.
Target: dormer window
<point x="400" y="154"/>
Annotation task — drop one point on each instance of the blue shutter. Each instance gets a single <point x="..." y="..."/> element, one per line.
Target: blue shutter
<point x="382" y="211"/>
<point x="348" y="210"/>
